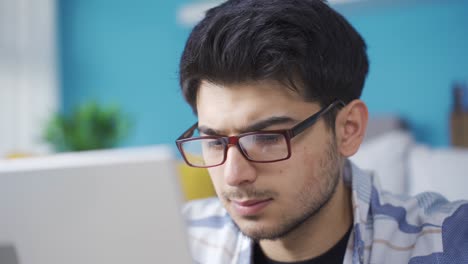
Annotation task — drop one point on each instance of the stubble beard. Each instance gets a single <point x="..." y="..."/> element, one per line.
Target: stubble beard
<point x="330" y="173"/>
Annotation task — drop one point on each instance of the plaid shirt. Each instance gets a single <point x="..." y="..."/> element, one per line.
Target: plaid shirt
<point x="387" y="228"/>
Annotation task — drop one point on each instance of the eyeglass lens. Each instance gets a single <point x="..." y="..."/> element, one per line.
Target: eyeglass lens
<point x="262" y="147"/>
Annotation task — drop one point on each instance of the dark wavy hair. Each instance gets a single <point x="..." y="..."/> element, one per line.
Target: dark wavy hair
<point x="303" y="44"/>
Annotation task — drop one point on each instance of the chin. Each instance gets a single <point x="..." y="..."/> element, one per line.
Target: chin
<point x="257" y="228"/>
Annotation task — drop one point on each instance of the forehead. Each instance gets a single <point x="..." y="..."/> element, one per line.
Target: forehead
<point x="232" y="107"/>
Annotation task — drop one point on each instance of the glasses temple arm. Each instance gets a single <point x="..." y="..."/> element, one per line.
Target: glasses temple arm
<point x="311" y="120"/>
<point x="189" y="132"/>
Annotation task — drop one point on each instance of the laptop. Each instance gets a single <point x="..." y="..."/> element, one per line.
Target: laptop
<point x="97" y="207"/>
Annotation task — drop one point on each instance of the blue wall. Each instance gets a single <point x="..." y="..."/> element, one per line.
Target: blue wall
<point x="126" y="52"/>
<point x="114" y="51"/>
<point x="417" y="51"/>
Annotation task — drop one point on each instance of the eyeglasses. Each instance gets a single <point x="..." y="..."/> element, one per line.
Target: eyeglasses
<point x="259" y="146"/>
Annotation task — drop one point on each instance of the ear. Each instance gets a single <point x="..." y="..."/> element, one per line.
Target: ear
<point x="350" y="127"/>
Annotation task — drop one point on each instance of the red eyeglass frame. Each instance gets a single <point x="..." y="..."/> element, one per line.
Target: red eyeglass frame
<point x="234" y="140"/>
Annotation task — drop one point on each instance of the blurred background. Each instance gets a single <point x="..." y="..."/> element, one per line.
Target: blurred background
<point x="96" y="74"/>
<point x="93" y="74"/>
<point x="57" y="56"/>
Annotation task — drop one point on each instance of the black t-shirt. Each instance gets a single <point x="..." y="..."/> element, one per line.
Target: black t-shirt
<point x="332" y="256"/>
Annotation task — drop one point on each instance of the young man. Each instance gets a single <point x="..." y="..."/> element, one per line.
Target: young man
<point x="276" y="85"/>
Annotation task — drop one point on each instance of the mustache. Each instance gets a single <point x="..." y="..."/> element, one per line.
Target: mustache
<point x="249" y="193"/>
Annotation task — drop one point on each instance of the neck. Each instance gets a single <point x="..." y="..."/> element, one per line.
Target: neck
<point x="316" y="235"/>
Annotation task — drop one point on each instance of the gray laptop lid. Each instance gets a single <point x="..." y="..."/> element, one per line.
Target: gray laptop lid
<point x="118" y="206"/>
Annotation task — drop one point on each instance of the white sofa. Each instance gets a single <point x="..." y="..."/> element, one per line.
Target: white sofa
<point x="404" y="166"/>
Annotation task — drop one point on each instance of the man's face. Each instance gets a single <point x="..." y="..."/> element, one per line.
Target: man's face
<point x="267" y="200"/>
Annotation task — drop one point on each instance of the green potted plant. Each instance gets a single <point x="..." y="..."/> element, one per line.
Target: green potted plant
<point x="90" y="126"/>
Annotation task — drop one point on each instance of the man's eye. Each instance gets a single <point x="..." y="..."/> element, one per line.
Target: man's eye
<point x="215" y="144"/>
<point x="268" y="139"/>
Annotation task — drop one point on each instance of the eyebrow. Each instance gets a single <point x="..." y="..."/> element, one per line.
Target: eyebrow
<point x="259" y="125"/>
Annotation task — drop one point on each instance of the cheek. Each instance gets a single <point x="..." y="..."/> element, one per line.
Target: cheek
<point x="303" y="167"/>
<point x="289" y="175"/>
<point x="307" y="158"/>
<point x="216" y="175"/>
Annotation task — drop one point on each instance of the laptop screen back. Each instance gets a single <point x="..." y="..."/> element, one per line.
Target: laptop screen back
<point x="117" y="206"/>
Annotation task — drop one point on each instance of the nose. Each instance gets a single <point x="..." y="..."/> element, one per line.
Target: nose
<point x="238" y="170"/>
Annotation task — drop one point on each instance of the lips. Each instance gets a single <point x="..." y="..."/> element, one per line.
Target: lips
<point x="250" y="207"/>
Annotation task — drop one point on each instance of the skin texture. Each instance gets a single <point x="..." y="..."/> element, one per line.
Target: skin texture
<point x="308" y="206"/>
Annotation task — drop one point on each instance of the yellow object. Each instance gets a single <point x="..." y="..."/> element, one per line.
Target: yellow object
<point x="195" y="182"/>
<point x="17" y="155"/>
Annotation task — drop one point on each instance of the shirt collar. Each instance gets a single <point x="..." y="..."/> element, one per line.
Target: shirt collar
<point x="361" y="183"/>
